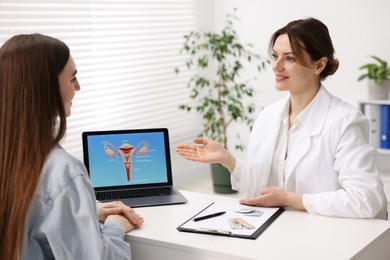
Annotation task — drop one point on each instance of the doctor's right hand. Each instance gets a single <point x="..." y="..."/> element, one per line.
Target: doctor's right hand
<point x="207" y="151"/>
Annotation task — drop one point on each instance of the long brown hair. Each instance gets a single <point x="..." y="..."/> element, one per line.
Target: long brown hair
<point x="32" y="121"/>
<point x="312" y="36"/>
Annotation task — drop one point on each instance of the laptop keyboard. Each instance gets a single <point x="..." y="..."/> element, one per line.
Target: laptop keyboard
<point x="134" y="193"/>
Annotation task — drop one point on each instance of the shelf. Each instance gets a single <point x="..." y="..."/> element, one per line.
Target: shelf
<point x="383" y="151"/>
<point x="362" y="104"/>
<point x="375" y="101"/>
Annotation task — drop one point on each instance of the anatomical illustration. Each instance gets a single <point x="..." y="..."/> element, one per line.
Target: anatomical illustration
<point x="126" y="151"/>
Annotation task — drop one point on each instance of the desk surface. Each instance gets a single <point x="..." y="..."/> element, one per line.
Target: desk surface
<point x="294" y="235"/>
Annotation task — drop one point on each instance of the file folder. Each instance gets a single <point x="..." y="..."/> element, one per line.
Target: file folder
<point x="385" y="127"/>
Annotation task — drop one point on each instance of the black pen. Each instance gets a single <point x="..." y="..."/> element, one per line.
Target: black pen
<point x="210" y="216"/>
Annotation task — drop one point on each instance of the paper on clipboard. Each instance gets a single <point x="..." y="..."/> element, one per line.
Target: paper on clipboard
<point x="258" y="218"/>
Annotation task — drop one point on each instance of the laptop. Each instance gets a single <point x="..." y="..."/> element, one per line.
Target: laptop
<point x="133" y="166"/>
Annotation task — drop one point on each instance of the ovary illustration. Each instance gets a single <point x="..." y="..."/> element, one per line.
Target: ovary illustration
<point x="126" y="151"/>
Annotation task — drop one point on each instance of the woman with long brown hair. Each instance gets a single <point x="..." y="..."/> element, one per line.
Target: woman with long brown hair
<point x="47" y="205"/>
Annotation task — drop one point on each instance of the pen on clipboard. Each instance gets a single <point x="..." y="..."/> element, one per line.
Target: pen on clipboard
<point x="210" y="216"/>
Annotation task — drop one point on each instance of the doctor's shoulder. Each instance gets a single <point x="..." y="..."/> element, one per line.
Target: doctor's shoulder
<point x="342" y="115"/>
<point x="342" y="108"/>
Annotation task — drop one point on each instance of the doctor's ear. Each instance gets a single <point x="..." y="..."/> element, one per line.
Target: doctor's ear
<point x="320" y="65"/>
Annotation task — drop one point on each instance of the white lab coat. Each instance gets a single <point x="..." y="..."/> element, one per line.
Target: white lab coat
<point x="333" y="165"/>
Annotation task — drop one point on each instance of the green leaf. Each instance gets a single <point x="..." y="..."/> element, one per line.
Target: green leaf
<point x="377" y="71"/>
<point x="194" y="93"/>
<point x="362" y="77"/>
<point x="185" y="107"/>
<point x="371" y="73"/>
<point x="368" y="66"/>
<point x="379" y="81"/>
<point x="381" y="62"/>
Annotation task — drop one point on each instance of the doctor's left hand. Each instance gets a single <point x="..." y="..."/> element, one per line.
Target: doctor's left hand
<point x="276" y="197"/>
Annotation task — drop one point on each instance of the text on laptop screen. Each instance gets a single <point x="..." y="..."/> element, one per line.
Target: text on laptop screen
<point x="127" y="159"/>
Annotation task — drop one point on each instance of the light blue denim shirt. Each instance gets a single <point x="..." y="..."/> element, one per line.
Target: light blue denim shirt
<point x="63" y="221"/>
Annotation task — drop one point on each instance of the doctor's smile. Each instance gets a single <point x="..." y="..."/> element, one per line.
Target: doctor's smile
<point x="280" y="77"/>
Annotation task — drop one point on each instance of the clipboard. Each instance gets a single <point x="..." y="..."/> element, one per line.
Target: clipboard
<point x="255" y="220"/>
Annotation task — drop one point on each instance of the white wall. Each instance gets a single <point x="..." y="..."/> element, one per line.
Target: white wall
<point x="186" y="172"/>
<point x="358" y="28"/>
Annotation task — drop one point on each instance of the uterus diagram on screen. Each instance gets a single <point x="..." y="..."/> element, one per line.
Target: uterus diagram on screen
<point x="126" y="150"/>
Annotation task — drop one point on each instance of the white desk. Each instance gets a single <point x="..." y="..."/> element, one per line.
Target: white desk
<point x="294" y="235"/>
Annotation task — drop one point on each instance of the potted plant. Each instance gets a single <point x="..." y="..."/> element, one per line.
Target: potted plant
<point x="378" y="75"/>
<point x="222" y="96"/>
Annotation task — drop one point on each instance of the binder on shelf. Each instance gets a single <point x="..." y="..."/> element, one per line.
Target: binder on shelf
<point x="231" y="219"/>
<point x="385" y="127"/>
<point x="373" y="114"/>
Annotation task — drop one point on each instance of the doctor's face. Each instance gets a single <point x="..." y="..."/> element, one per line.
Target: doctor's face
<point x="290" y="74"/>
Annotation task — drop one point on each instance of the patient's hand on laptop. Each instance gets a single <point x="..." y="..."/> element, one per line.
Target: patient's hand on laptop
<point x="107" y="209"/>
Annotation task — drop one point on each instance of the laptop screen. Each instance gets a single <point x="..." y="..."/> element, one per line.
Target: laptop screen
<point x="127" y="157"/>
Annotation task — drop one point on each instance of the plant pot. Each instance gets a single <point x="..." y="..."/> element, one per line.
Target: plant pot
<point x="221" y="179"/>
<point x="376" y="91"/>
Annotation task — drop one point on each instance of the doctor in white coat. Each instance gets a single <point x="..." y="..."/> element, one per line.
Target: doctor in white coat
<point x="310" y="150"/>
